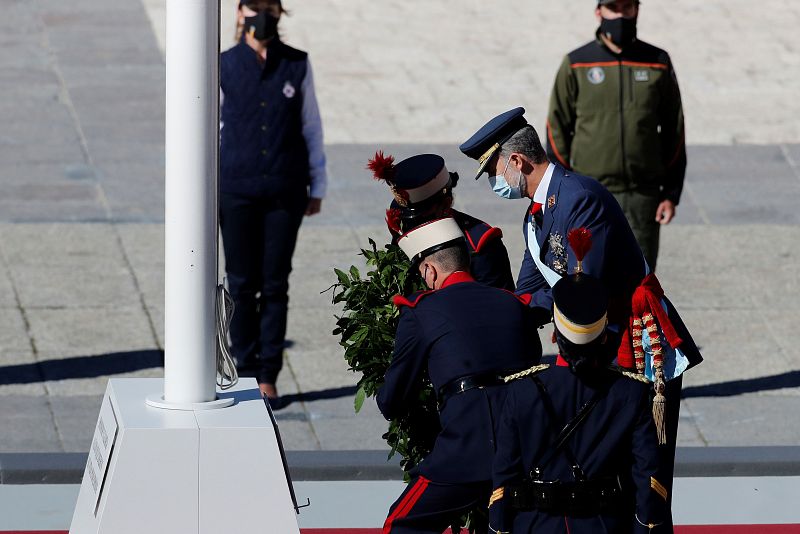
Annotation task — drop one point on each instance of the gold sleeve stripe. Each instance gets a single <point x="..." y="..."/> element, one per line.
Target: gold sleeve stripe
<point x="656" y="486"/>
<point x="496" y="495"/>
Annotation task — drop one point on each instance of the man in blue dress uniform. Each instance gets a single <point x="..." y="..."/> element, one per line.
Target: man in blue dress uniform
<point x="577" y="450"/>
<point x="423" y="190"/>
<point x="464" y="336"/>
<point x="509" y="151"/>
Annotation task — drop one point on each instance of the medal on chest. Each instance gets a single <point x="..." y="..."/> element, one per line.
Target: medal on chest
<point x="559" y="252"/>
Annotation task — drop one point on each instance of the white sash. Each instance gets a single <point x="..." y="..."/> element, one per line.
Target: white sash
<point x="533" y="247"/>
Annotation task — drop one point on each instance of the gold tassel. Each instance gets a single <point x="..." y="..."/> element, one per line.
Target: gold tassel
<point x="659" y="405"/>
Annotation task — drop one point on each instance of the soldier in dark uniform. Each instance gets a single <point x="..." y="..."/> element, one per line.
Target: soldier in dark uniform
<point x="509" y="150"/>
<point x="576" y="448"/>
<point x="464" y="336"/>
<point x="423" y="191"/>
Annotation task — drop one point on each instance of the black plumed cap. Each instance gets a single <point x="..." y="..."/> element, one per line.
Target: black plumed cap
<point x="580" y="304"/>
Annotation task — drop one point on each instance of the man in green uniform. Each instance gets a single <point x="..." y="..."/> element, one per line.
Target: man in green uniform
<point x="615" y="114"/>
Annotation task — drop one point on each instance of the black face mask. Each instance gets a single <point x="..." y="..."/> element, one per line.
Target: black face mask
<point x="265" y="25"/>
<point x="620" y="31"/>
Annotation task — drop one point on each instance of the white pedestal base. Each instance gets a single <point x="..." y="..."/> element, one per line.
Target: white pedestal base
<point x="183" y="471"/>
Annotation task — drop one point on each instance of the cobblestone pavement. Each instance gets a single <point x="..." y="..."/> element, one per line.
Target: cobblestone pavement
<point x="81" y="215"/>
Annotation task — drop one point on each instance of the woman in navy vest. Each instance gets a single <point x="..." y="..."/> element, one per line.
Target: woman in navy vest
<point x="272" y="172"/>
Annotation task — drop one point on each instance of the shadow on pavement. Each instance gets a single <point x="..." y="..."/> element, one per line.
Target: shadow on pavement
<point x="81" y="367"/>
<point x="739" y="387"/>
<point x="322" y="394"/>
<point x="126" y="362"/>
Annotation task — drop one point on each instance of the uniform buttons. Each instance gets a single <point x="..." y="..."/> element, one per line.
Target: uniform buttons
<point x="264" y="152"/>
<point x="263" y="127"/>
<point x="263" y="104"/>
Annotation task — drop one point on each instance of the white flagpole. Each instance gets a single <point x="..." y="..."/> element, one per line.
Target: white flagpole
<point x="192" y="156"/>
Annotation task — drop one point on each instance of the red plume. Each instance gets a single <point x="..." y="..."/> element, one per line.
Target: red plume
<point x="393" y="221"/>
<point x="382" y="167"/>
<point x="580" y="239"/>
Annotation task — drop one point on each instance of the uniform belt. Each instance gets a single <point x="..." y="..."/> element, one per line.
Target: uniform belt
<point x="466" y="383"/>
<point x="582" y="498"/>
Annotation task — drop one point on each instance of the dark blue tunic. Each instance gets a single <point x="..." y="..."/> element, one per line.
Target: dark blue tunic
<point x="462" y="329"/>
<point x="617" y="438"/>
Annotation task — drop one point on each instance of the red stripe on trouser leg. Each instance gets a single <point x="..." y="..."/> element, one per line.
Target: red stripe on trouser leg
<point x="406" y="504"/>
<point x="401" y="509"/>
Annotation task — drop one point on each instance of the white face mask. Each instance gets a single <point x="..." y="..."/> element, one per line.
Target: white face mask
<point x="502" y="188"/>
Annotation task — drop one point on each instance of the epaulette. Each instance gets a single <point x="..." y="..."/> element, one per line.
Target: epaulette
<point x="525" y="298"/>
<point x="527" y="372"/>
<point x="490" y="235"/>
<point x="411" y="301"/>
<point x="478" y="236"/>
<point x="629" y="374"/>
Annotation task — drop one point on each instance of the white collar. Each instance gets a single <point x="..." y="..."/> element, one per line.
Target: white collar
<point x="540" y="195"/>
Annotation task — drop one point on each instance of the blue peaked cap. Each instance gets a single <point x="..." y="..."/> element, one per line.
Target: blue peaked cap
<point x="490" y="137"/>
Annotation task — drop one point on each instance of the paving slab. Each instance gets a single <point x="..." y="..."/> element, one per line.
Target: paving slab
<point x="748" y="420"/>
<point x="53" y="245"/>
<point x="84" y="331"/>
<point x="338" y="433"/>
<point x="27" y="424"/>
<point x="53" y="211"/>
<point x="73" y="416"/>
<point x="13" y="347"/>
<point x="701" y="266"/>
<point x="149" y="203"/>
<point x="14" y="173"/>
<point x="689" y="434"/>
<point x="330" y="374"/>
<point x="731" y="342"/>
<point x="792" y="153"/>
<point x="65" y="149"/>
<point x="88" y="286"/>
<point x="7" y="297"/>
